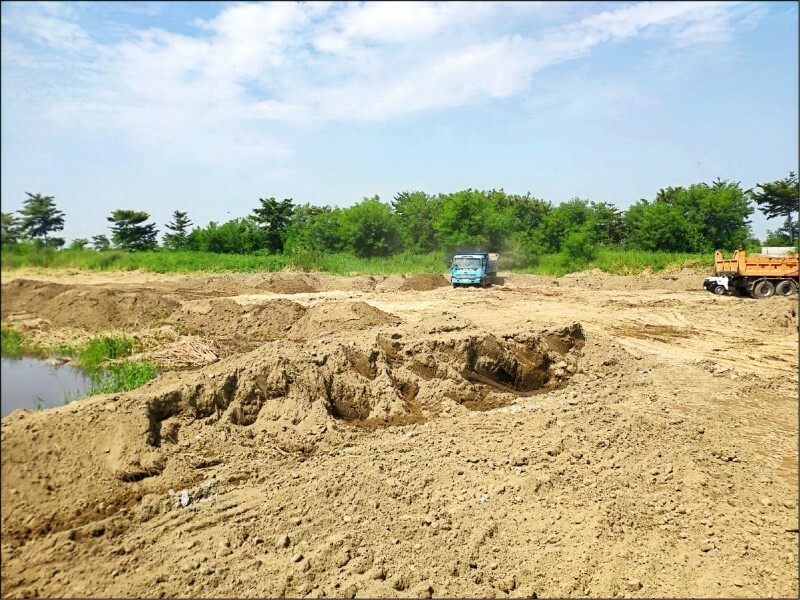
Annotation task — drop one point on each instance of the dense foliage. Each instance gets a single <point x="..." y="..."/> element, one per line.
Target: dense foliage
<point x="699" y="218"/>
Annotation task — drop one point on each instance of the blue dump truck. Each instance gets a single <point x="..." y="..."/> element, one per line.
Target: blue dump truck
<point x="473" y="268"/>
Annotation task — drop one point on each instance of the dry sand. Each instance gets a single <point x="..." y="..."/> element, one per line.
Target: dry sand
<point x="391" y="436"/>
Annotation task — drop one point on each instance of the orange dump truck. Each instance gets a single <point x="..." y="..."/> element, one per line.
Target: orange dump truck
<point x="756" y="275"/>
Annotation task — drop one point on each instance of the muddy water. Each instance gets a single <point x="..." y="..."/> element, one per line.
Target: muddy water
<point x="26" y="379"/>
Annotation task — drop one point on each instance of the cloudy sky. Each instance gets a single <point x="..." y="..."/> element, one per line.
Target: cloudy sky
<point x="206" y="107"/>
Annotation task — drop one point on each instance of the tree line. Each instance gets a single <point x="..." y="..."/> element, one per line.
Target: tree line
<point x="698" y="218"/>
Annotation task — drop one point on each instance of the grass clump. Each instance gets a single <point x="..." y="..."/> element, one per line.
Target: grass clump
<point x="103" y="348"/>
<point x="91" y="357"/>
<point x="17" y="345"/>
<point x="122" y="377"/>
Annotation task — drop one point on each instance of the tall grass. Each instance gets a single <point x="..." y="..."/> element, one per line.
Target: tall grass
<point x="619" y="262"/>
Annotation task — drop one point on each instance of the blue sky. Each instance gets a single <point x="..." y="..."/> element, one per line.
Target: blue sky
<point x="206" y="107"/>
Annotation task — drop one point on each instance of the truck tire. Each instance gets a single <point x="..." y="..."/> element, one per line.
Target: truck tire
<point x="719" y="290"/>
<point x="763" y="289"/>
<point x="786" y="288"/>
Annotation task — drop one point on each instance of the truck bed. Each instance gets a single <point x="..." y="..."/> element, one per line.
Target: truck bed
<point x="755" y="266"/>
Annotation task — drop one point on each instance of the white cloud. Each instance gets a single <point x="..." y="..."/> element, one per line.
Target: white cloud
<point x="216" y="97"/>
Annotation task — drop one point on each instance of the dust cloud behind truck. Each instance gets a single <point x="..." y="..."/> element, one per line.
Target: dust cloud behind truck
<point x="474" y="268"/>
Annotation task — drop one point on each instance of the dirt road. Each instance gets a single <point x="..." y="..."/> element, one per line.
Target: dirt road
<point x="389" y="436"/>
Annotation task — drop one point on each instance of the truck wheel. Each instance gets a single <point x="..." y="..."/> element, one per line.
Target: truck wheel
<point x="719" y="290"/>
<point x="763" y="289"/>
<point x="785" y="288"/>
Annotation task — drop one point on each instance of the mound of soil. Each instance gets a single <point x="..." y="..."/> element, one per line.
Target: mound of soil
<point x="290" y="283"/>
<point x="391" y="283"/>
<point x="424" y="282"/>
<point x="225" y="318"/>
<point x="287" y="389"/>
<point x="595" y="279"/>
<point x="89" y="307"/>
<point x="335" y="317"/>
<point x="363" y="283"/>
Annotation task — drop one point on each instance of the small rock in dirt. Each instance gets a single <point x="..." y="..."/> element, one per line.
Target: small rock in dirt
<point x="297" y="557"/>
<point x="185" y="498"/>
<point x="283" y="541"/>
<point x="633" y="585"/>
<point x="296" y="521"/>
<point x="422" y="590"/>
<point x="765" y="502"/>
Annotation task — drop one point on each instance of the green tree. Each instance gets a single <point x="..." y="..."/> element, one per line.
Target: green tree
<point x="179" y="228"/>
<point x="580" y="246"/>
<point x="472" y="218"/>
<point x="79" y="244"/>
<point x="700" y="218"/>
<point x="415" y="212"/>
<point x="274" y="217"/>
<point x="370" y="228"/>
<point x="315" y="228"/>
<point x="100" y="242"/>
<point x="40" y="217"/>
<point x="660" y="226"/>
<point x="564" y="219"/>
<point x="130" y="232"/>
<point x="10" y="230"/>
<point x="780" y="198"/>
<point x="607" y="223"/>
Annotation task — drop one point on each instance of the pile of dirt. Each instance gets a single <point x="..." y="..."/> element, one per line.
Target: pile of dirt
<point x="288" y="390"/>
<point x="225" y="318"/>
<point x="290" y="283"/>
<point x="595" y="279"/>
<point x="89" y="307"/>
<point x="424" y="282"/>
<point x="334" y="317"/>
<point x="362" y="283"/>
<point x="255" y="476"/>
<point x="773" y="313"/>
<point x="390" y="283"/>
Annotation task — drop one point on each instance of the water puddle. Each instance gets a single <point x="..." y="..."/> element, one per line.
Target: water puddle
<point x="31" y="383"/>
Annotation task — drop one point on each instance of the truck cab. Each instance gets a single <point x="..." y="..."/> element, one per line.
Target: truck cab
<point x="473" y="268"/>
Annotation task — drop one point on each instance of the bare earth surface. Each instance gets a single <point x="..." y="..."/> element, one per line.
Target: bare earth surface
<point x="391" y="436"/>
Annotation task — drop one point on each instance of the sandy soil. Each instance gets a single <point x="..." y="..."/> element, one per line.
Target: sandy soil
<point x="389" y="436"/>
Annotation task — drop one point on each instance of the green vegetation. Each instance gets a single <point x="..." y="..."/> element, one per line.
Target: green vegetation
<point x="179" y="226"/>
<point x="122" y="377"/>
<point x="40" y="217"/>
<point x="780" y="199"/>
<point x="103" y="348"/>
<point x="130" y="232"/>
<point x="16" y="345"/>
<point x="417" y="231"/>
<point x="616" y="262"/>
<point x="92" y="358"/>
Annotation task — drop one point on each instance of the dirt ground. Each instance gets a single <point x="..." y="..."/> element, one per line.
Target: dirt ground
<point x="393" y="437"/>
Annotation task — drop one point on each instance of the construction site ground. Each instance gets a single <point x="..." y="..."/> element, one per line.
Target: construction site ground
<point x="317" y="436"/>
